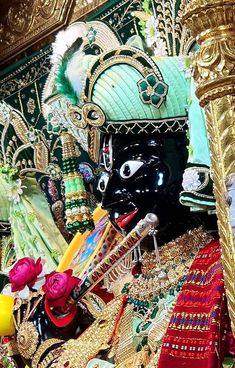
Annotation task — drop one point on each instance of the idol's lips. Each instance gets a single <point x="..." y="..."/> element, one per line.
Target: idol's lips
<point x="124" y="220"/>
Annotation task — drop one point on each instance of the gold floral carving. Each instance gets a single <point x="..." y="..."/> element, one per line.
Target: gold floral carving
<point x="213" y="23"/>
<point x="27" y="22"/>
<point x="84" y="7"/>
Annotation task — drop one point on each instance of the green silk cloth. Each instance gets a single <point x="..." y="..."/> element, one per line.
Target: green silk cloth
<point x="34" y="232"/>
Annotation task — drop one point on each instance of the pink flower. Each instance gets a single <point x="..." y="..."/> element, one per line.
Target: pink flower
<point x="24" y="273"/>
<point x="58" y="288"/>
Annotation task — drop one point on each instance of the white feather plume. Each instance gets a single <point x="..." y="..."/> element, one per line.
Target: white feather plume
<point x="65" y="38"/>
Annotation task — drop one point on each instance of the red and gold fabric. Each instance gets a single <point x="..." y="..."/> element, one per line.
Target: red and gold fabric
<point x="196" y="335"/>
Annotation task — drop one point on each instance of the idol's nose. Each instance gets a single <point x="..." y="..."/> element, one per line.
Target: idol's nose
<point x="113" y="196"/>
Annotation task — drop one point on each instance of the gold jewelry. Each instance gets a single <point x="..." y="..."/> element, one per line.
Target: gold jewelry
<point x="10" y="347"/>
<point x="27" y="339"/>
<point x="96" y="337"/>
<point x="94" y="304"/>
<point x="176" y="258"/>
<point x="50" y="357"/>
<point x="76" y="195"/>
<point x="158" y="330"/>
<point x="42" y="349"/>
<point x="180" y="249"/>
<point x="138" y="359"/>
<point x="154" y="360"/>
<point x="125" y="348"/>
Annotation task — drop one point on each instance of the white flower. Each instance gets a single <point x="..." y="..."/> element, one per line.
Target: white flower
<point x="185" y="65"/>
<point x="151" y="31"/>
<point x="160" y="48"/>
<point x="191" y="180"/>
<point x="15" y="191"/>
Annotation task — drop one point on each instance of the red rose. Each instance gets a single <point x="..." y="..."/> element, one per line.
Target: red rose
<point x="58" y="287"/>
<point x="24" y="272"/>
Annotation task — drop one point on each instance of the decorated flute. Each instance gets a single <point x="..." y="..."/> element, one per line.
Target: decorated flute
<point x="121" y="250"/>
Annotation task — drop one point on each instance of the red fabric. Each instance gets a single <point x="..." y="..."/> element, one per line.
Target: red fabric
<point x="102" y="293"/>
<point x="195" y="337"/>
<point x="60" y="321"/>
<point x="230" y="346"/>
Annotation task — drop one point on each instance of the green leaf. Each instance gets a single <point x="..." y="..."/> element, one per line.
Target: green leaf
<point x="146" y="326"/>
<point x="154" y="313"/>
<point x="141" y="24"/>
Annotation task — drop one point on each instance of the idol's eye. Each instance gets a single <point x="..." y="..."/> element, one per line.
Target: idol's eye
<point x="103" y="181"/>
<point x="129" y="168"/>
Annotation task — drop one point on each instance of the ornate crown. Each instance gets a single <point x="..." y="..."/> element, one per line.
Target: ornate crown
<point x="99" y="85"/>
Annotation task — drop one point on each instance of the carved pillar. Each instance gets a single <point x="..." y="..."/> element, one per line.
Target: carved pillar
<point x="212" y="22"/>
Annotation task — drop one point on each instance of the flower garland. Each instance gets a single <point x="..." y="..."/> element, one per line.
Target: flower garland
<point x="149" y="28"/>
<point x="78" y="214"/>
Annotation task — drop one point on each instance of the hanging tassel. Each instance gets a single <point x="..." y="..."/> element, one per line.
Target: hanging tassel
<point x="78" y="214"/>
<point x="158" y="260"/>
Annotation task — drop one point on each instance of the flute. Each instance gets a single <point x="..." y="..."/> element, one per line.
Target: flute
<point x="120" y="251"/>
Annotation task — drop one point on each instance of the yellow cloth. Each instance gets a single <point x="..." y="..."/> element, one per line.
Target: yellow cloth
<point x="6" y="315"/>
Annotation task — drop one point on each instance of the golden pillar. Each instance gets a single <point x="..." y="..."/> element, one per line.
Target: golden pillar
<point x="212" y="23"/>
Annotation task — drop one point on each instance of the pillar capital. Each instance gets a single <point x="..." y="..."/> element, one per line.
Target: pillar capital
<point x="212" y="23"/>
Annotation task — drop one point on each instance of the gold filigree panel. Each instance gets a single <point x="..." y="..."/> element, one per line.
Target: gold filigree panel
<point x="84" y="7"/>
<point x="24" y="23"/>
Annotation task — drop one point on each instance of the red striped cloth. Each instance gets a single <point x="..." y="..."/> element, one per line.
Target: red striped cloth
<point x="196" y="334"/>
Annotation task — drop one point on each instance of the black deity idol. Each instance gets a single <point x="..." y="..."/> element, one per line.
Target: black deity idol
<point x="141" y="174"/>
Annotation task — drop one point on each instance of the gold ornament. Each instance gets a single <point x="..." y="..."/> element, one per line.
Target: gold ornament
<point x="89" y="114"/>
<point x="212" y="22"/>
<point x="77" y="352"/>
<point x="43" y="348"/>
<point x="27" y="339"/>
<point x="125" y="348"/>
<point x="176" y="258"/>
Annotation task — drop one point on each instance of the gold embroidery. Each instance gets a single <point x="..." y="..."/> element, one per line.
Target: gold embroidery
<point x="27" y="337"/>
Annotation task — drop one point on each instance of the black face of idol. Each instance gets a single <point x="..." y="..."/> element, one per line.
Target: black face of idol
<point x="142" y="174"/>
